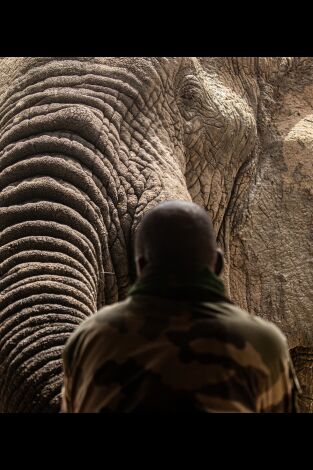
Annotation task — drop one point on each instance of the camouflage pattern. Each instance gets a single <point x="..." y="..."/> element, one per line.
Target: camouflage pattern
<point x="153" y="354"/>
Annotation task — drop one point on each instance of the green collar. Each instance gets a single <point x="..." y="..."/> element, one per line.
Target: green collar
<point x="203" y="286"/>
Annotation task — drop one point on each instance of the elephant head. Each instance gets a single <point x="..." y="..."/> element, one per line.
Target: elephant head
<point x="88" y="145"/>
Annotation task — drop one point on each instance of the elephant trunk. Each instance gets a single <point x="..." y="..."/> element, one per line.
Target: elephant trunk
<point x="56" y="269"/>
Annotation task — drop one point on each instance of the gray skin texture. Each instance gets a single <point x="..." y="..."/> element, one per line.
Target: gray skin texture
<point x="88" y="145"/>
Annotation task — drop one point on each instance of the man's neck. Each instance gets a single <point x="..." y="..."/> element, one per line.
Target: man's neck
<point x="184" y="274"/>
<point x="202" y="285"/>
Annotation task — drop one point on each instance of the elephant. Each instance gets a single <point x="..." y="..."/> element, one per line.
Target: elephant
<point x="88" y="145"/>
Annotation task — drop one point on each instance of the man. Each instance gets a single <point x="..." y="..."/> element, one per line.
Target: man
<point x="177" y="343"/>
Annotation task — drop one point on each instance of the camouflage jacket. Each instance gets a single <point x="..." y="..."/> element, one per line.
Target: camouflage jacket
<point x="154" y="354"/>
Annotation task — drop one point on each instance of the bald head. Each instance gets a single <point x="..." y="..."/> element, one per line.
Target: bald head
<point x="177" y="237"/>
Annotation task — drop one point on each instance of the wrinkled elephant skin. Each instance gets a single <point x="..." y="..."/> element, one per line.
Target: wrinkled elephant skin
<point x="88" y="145"/>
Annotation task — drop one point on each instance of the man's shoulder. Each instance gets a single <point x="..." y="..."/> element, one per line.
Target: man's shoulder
<point x="106" y="314"/>
<point x="92" y="328"/>
<point x="262" y="334"/>
<point x="265" y="330"/>
<point x="103" y="317"/>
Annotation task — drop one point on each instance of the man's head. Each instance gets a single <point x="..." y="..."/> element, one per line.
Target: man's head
<point x="176" y="237"/>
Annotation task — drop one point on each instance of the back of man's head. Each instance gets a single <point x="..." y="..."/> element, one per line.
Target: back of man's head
<point x="176" y="237"/>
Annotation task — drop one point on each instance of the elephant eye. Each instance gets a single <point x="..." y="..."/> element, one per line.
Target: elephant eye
<point x="187" y="93"/>
<point x="189" y="96"/>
